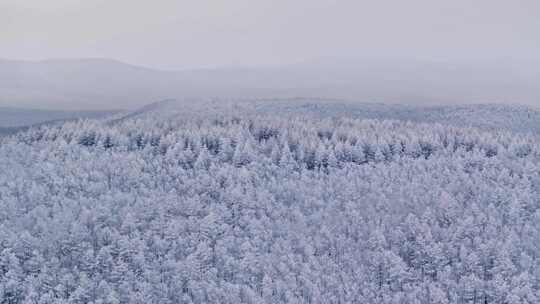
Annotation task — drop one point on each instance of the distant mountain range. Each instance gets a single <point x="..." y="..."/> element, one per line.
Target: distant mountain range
<point x="97" y="84"/>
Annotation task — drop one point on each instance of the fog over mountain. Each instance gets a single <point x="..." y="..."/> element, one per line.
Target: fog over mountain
<point x="91" y="84"/>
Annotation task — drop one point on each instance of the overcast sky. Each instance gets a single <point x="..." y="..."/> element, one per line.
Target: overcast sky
<point x="177" y="34"/>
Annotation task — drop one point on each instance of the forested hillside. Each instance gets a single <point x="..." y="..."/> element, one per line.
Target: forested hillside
<point x="13" y="120"/>
<point x="19" y="117"/>
<point x="518" y="118"/>
<point x="226" y="204"/>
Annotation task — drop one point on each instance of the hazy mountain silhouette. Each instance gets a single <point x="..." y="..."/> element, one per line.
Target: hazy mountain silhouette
<point x="109" y="84"/>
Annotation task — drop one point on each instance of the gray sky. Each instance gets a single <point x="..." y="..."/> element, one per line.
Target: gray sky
<point x="205" y="33"/>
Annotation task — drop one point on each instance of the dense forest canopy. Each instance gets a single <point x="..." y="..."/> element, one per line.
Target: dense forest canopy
<point x="227" y="204"/>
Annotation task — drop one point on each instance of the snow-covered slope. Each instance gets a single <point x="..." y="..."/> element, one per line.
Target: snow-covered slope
<point x="18" y="117"/>
<point x="518" y="118"/>
<point x="239" y="203"/>
<point x="234" y="203"/>
<point x="13" y="120"/>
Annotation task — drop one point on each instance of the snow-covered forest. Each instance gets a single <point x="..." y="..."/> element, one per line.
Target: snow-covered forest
<point x="227" y="204"/>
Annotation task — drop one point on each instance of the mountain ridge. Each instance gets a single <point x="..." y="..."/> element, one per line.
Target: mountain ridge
<point x="97" y="83"/>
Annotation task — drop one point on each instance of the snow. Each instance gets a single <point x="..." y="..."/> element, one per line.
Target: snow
<point x="274" y="202"/>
